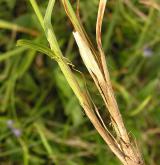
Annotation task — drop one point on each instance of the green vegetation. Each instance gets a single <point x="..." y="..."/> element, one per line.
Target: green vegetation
<point x="41" y="120"/>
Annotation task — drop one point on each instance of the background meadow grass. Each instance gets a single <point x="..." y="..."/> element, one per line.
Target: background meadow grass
<point x="41" y="121"/>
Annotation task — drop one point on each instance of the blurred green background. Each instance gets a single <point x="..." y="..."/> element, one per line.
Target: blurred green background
<point x="41" y="121"/>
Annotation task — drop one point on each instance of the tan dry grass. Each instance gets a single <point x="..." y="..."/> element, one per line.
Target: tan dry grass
<point x="95" y="62"/>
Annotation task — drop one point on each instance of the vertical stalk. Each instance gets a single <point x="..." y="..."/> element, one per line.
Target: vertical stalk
<point x="95" y="63"/>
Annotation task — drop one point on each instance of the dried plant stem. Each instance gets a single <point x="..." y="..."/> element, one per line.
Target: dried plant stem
<point x="94" y="60"/>
<point x="96" y="64"/>
<point x="82" y="96"/>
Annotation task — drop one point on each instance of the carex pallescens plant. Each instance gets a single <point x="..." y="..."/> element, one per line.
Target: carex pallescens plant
<point x="95" y="61"/>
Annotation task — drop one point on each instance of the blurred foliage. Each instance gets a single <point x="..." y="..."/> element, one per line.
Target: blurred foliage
<point x="40" y="118"/>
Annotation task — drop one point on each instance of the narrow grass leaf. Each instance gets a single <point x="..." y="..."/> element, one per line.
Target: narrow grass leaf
<point x="35" y="46"/>
<point x="15" y="52"/>
<point x="14" y="27"/>
<point x="141" y="107"/>
<point x="37" y="11"/>
<point x="45" y="141"/>
<point x="25" y="152"/>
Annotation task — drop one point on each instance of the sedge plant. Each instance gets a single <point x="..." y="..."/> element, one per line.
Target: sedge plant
<point x="95" y="61"/>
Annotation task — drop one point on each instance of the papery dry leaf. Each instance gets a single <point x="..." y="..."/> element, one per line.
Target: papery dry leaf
<point x="95" y="62"/>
